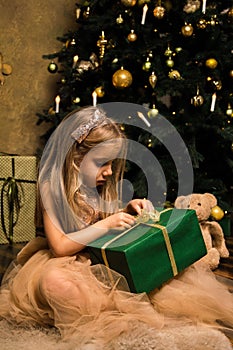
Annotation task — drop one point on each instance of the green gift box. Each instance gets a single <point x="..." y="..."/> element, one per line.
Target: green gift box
<point x="151" y="253"/>
<point x="18" y="176"/>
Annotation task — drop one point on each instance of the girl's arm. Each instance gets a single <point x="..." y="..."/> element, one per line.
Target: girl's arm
<point x="69" y="244"/>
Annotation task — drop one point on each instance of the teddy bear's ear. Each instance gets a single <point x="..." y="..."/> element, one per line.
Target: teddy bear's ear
<point x="211" y="199"/>
<point x="182" y="202"/>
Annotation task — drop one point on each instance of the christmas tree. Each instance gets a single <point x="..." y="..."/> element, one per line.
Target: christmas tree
<point x="172" y="56"/>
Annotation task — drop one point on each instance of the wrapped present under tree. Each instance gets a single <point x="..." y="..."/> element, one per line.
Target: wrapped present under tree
<point x="18" y="176"/>
<point x="150" y="253"/>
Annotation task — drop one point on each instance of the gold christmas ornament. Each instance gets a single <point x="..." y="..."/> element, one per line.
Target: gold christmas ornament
<point x="192" y="6"/>
<point x="101" y="43"/>
<point x="217" y="84"/>
<point x="153" y="112"/>
<point x="159" y="12"/>
<point x="119" y="20"/>
<point x="52" y="67"/>
<point x="211" y="63"/>
<point x="174" y="74"/>
<point x="231" y="73"/>
<point x="100" y="91"/>
<point x="132" y="36"/>
<point x="217" y="213"/>
<point x="76" y="100"/>
<point x="170" y="62"/>
<point x="213" y="21"/>
<point x="51" y="111"/>
<point x="129" y="3"/>
<point x="122" y="78"/>
<point x="153" y="80"/>
<point x="197" y="100"/>
<point x="187" y="30"/>
<point x="202" y="23"/>
<point x="229" y="110"/>
<point x="146" y="65"/>
<point x="168" y="51"/>
<point x="178" y="49"/>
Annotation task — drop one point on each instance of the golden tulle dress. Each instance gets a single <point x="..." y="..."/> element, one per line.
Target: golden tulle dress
<point x="193" y="297"/>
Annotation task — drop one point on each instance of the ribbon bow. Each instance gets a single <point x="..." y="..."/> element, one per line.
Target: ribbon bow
<point x="12" y="194"/>
<point x="145" y="216"/>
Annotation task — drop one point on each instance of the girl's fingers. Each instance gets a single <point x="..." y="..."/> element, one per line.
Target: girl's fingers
<point x="147" y="205"/>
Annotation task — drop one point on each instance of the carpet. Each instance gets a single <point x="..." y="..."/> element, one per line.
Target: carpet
<point x="141" y="338"/>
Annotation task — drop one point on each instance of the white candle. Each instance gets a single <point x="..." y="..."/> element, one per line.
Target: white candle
<point x="203" y="6"/>
<point x="57" y="100"/>
<point x="94" y="96"/>
<point x="143" y="118"/>
<point x="145" y="9"/>
<point x="102" y="34"/>
<point x="75" y="60"/>
<point x="213" y="101"/>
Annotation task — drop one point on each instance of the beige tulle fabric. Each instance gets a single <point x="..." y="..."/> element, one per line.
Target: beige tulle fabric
<point x="104" y="311"/>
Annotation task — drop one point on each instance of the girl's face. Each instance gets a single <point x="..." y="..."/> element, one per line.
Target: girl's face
<point x="96" y="166"/>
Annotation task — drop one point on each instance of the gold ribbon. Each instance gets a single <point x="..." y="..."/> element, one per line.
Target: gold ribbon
<point x="141" y="220"/>
<point x="168" y="246"/>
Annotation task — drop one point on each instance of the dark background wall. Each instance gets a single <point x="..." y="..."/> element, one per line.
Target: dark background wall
<point x="28" y="30"/>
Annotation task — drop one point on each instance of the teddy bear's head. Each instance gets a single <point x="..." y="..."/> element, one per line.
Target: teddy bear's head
<point x="201" y="203"/>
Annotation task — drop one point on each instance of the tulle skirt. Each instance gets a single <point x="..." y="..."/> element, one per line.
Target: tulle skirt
<point x="103" y="311"/>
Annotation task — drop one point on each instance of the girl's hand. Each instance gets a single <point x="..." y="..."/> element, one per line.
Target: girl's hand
<point x="117" y="221"/>
<point x="136" y="206"/>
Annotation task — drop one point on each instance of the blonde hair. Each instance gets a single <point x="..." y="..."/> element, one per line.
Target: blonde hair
<point x="112" y="190"/>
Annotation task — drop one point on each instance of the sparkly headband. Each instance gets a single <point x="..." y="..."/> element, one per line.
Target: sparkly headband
<point x="83" y="130"/>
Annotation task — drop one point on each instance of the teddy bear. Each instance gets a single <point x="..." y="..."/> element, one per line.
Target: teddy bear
<point x="211" y="230"/>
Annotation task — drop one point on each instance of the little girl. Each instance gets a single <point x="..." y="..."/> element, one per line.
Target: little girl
<point x="53" y="281"/>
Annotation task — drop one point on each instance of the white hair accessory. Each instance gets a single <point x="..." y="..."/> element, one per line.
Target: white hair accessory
<point x="83" y="130"/>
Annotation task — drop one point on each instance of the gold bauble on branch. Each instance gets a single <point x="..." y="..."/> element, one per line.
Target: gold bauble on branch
<point x="52" y="67"/>
<point x="202" y="23"/>
<point x="159" y="12"/>
<point x="153" y="112"/>
<point x="187" y="30"/>
<point x="153" y="80"/>
<point x="100" y="91"/>
<point x="213" y="21"/>
<point x="211" y="63"/>
<point x="122" y="78"/>
<point x="76" y="100"/>
<point x="217" y="84"/>
<point x="229" y="110"/>
<point x="132" y="36"/>
<point x="197" y="100"/>
<point x="146" y="65"/>
<point x="178" y="49"/>
<point x="174" y="74"/>
<point x="170" y="63"/>
<point x="168" y="52"/>
<point x="51" y="111"/>
<point x="217" y="213"/>
<point x="119" y="19"/>
<point x="129" y="3"/>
